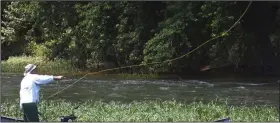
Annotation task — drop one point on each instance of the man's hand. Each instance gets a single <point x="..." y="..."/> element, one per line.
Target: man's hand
<point x="59" y="77"/>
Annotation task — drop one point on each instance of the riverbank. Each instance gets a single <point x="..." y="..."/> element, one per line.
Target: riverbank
<point x="15" y="65"/>
<point x="148" y="111"/>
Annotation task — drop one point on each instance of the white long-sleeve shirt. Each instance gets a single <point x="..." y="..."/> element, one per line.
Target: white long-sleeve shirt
<point x="30" y="87"/>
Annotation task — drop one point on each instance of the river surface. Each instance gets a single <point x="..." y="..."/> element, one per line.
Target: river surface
<point x="245" y="91"/>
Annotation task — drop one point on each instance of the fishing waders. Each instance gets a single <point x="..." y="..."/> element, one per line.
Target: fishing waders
<point x="30" y="112"/>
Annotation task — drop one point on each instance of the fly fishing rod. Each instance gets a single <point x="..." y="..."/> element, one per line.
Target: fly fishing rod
<point x="223" y="34"/>
<point x="166" y="61"/>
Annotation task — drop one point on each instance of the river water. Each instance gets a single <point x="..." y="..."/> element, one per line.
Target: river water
<point x="237" y="91"/>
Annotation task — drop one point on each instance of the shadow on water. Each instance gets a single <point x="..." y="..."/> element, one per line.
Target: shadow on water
<point x="235" y="91"/>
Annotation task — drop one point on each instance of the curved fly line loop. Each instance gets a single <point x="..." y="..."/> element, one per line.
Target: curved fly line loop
<point x="169" y="60"/>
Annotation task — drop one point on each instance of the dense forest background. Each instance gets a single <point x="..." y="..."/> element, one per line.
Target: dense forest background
<point x="111" y="34"/>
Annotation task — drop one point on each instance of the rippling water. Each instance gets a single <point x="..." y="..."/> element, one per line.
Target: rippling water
<point x="235" y="91"/>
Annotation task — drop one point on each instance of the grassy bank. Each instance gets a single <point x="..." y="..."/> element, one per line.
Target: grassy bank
<point x="16" y="65"/>
<point x="147" y="111"/>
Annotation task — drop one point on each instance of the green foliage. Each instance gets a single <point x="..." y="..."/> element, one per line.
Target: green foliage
<point x="148" y="111"/>
<point x="157" y="47"/>
<point x="111" y="34"/>
<point x="17" y="64"/>
<point x="16" y="23"/>
<point x="39" y="50"/>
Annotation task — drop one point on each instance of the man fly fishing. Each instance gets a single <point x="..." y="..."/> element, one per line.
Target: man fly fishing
<point x="29" y="91"/>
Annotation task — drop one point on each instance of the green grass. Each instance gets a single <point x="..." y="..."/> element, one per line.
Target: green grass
<point x="17" y="64"/>
<point x="62" y="67"/>
<point x="148" y="111"/>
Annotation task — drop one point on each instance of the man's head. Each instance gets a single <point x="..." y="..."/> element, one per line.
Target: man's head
<point x="30" y="68"/>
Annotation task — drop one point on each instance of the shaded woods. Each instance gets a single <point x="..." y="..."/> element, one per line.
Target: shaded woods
<point x="100" y="35"/>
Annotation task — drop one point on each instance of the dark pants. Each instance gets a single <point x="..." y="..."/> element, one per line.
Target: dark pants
<point x="30" y="112"/>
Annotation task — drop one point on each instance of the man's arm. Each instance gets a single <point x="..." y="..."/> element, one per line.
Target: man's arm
<point x="45" y="79"/>
<point x="58" y="77"/>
